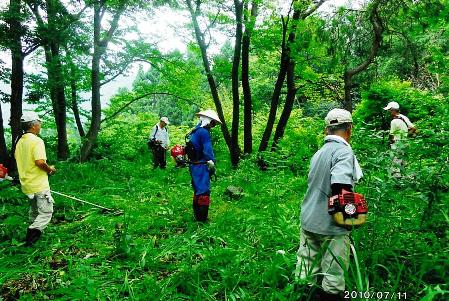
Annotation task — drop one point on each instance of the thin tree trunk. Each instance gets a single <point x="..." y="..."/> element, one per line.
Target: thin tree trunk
<point x="247" y="98"/>
<point x="100" y="46"/>
<point x="17" y="72"/>
<point x="377" y="39"/>
<point x="60" y="104"/>
<point x="285" y="60"/>
<point x="288" y="107"/>
<point x="235" y="83"/>
<point x="210" y="78"/>
<point x="56" y="80"/>
<point x="91" y="136"/>
<point x="75" y="109"/>
<point x="74" y="94"/>
<point x="4" y="157"/>
<point x="276" y="94"/>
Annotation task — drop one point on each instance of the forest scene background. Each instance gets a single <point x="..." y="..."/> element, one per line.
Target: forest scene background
<point x="271" y="70"/>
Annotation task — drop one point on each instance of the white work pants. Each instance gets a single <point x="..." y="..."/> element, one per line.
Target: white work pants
<point x="41" y="210"/>
<point x="327" y="255"/>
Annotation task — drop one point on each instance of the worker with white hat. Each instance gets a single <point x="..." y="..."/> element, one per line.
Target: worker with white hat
<point x="202" y="162"/>
<point x="159" y="142"/>
<point x="33" y="175"/>
<point x="400" y="128"/>
<point x="400" y="125"/>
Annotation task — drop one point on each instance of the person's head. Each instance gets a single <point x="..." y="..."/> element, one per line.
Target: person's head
<point x="393" y="107"/>
<point x="163" y="122"/>
<point x="30" y="122"/>
<point x="208" y="118"/>
<point x="339" y="122"/>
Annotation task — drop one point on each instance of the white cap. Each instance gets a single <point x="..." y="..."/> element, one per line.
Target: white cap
<point x="165" y="119"/>
<point x="392" y="105"/>
<point x="29" y="116"/>
<point x="337" y="116"/>
<point x="211" y="114"/>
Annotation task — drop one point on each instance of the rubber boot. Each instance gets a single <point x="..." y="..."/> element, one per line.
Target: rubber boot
<point x="202" y="213"/>
<point x="33" y="235"/>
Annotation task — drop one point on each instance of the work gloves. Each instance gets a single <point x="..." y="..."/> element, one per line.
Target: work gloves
<point x="211" y="165"/>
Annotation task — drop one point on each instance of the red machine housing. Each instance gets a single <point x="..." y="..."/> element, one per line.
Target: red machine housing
<point x="3" y="171"/>
<point x="350" y="203"/>
<point x="176" y="151"/>
<point x="179" y="155"/>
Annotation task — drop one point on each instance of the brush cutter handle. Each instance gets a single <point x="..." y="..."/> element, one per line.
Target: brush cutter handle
<point x="82" y="201"/>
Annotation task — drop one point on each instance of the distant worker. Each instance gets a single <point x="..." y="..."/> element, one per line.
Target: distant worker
<point x="33" y="174"/>
<point x="324" y="245"/>
<point x="400" y="128"/>
<point x="202" y="162"/>
<point x="159" y="141"/>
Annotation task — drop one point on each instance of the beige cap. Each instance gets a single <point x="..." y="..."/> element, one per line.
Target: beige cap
<point x="338" y="116"/>
<point x="211" y="114"/>
<point x="392" y="105"/>
<point x="29" y="116"/>
<point x="165" y="119"/>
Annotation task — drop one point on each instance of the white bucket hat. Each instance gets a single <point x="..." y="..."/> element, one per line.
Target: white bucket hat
<point x="29" y="116"/>
<point x="165" y="119"/>
<point x="210" y="114"/>
<point x="392" y="105"/>
<point x="338" y="116"/>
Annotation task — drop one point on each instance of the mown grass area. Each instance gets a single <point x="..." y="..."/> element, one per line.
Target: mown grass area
<point x="155" y="251"/>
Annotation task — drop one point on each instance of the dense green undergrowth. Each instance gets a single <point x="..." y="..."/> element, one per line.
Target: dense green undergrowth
<point x="155" y="251"/>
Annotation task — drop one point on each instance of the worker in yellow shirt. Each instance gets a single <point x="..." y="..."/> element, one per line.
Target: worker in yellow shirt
<point x="33" y="174"/>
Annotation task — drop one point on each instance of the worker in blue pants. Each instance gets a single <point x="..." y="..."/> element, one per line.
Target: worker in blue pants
<point x="202" y="162"/>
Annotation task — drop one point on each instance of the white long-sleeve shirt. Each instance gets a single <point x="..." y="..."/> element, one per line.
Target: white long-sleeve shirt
<point x="160" y="135"/>
<point x="399" y="127"/>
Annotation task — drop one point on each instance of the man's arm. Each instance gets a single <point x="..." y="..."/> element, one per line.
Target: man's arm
<point x="42" y="164"/>
<point x="152" y="133"/>
<point x="168" y="140"/>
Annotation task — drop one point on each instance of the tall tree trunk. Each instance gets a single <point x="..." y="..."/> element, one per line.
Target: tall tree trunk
<point x="75" y="109"/>
<point x="285" y="60"/>
<point x="74" y="94"/>
<point x="288" y="107"/>
<point x="235" y="83"/>
<point x="377" y="39"/>
<point x="3" y="149"/>
<point x="247" y="98"/>
<point x="17" y="72"/>
<point x="210" y="78"/>
<point x="57" y="93"/>
<point x="56" y="81"/>
<point x="100" y="46"/>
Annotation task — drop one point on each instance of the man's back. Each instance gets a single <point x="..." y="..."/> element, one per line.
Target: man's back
<point x="333" y="163"/>
<point x="30" y="148"/>
<point x="399" y="127"/>
<point x="202" y="143"/>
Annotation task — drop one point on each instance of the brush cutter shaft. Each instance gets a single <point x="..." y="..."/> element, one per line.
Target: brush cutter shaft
<point x="79" y="200"/>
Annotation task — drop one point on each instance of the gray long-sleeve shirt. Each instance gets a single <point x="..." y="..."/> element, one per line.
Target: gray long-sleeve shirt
<point x="333" y="163"/>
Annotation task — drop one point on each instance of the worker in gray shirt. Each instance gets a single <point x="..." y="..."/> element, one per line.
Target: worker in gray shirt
<point x="332" y="169"/>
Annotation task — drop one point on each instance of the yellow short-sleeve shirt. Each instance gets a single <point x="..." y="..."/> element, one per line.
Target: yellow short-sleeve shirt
<point x="29" y="149"/>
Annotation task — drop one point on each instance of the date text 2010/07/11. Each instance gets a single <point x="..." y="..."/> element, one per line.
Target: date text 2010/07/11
<point x="375" y="295"/>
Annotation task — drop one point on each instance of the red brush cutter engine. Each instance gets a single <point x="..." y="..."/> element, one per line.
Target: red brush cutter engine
<point x="178" y="153"/>
<point x="4" y="173"/>
<point x="351" y="204"/>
